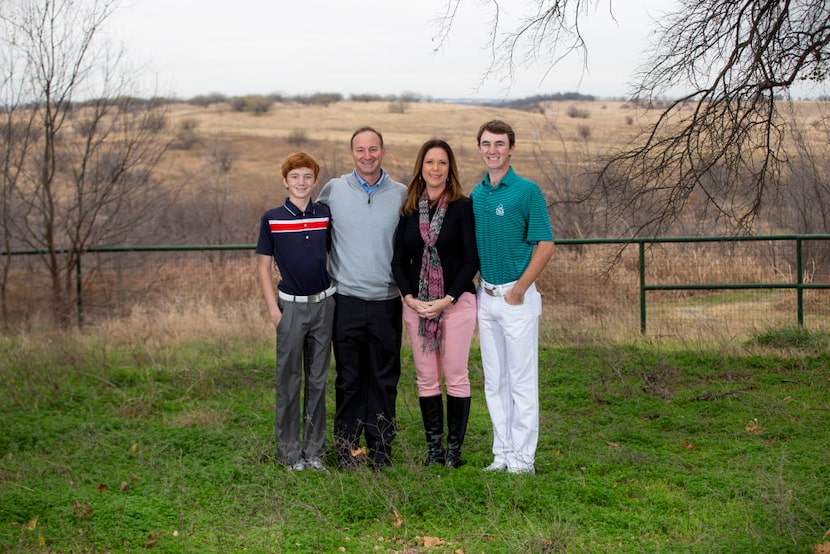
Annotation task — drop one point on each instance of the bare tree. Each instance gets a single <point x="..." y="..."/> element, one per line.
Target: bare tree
<point x="803" y="205"/>
<point x="16" y="134"/>
<point x="86" y="178"/>
<point x="722" y="143"/>
<point x="564" y="175"/>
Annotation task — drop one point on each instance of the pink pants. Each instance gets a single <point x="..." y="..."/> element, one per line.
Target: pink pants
<point x="451" y="357"/>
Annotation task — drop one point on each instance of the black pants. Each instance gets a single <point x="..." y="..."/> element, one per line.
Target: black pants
<point x="367" y="354"/>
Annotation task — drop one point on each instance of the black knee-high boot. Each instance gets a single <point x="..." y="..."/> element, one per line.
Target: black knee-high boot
<point x="458" y="411"/>
<point x="432" y="412"/>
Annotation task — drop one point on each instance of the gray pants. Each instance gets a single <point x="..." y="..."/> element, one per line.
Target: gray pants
<point x="303" y="349"/>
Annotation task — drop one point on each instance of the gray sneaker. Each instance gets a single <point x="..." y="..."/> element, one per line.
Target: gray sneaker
<point x="297" y="466"/>
<point x="315" y="463"/>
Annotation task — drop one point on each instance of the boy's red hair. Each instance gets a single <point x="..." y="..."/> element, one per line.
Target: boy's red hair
<point x="298" y="160"/>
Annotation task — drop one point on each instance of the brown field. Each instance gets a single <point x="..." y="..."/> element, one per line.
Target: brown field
<point x="257" y="143"/>
<point x="177" y="296"/>
<point x="262" y="141"/>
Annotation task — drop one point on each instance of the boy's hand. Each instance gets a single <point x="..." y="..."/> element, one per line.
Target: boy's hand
<point x="514" y="297"/>
<point x="276" y="317"/>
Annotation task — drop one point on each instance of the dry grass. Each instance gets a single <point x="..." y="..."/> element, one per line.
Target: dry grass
<point x="262" y="141"/>
<point x="594" y="293"/>
<point x="590" y="291"/>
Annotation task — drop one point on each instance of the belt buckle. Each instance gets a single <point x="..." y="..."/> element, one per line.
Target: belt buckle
<point x="317" y="297"/>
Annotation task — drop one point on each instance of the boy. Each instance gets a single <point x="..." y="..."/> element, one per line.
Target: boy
<point x="515" y="243"/>
<point x="295" y="238"/>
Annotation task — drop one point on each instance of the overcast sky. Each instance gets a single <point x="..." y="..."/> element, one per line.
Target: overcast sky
<point x="193" y="47"/>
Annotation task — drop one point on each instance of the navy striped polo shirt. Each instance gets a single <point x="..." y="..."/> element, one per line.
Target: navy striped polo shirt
<point x="299" y="242"/>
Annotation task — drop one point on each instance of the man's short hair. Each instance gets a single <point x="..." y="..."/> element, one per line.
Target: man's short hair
<point x="298" y="160"/>
<point x="497" y="127"/>
<point x="363" y="130"/>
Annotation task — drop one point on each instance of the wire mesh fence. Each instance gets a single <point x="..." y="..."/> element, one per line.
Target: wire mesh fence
<point x="609" y="289"/>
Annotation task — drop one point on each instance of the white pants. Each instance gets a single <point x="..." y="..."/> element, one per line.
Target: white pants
<point x="509" y="338"/>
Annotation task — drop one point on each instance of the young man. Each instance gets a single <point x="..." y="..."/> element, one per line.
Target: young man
<point x="365" y="205"/>
<point x="515" y="242"/>
<point x="295" y="238"/>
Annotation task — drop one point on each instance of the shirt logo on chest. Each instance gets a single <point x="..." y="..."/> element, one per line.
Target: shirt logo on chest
<point x="500" y="210"/>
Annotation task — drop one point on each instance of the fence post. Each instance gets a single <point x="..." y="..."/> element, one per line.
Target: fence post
<point x="642" y="287"/>
<point x="78" y="292"/>
<point x="799" y="266"/>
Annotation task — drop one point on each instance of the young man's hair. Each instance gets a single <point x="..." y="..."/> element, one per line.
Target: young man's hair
<point x="363" y="130"/>
<point x="497" y="127"/>
<point x="298" y="160"/>
<point x="416" y="185"/>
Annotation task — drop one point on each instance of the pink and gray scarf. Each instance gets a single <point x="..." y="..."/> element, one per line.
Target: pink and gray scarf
<point x="431" y="281"/>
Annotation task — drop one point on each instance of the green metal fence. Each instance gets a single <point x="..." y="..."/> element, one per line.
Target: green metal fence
<point x="799" y="285"/>
<point x="649" y="281"/>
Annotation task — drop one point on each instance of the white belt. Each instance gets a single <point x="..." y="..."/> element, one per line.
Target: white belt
<point x="308" y="299"/>
<point x="496" y="290"/>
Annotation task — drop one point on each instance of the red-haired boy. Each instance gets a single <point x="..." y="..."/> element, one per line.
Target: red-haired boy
<point x="295" y="238"/>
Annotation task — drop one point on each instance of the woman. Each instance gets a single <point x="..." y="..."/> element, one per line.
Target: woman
<point x="434" y="262"/>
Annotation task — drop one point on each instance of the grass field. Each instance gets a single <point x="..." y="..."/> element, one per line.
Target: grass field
<point x="126" y="446"/>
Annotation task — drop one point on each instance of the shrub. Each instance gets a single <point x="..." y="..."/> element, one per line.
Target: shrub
<point x="578" y="113"/>
<point x="222" y="155"/>
<point x="398" y="107"/>
<point x="254" y="103"/>
<point x="297" y="138"/>
<point x="365" y="97"/>
<point x="154" y="122"/>
<point x="792" y="337"/>
<point x="205" y="100"/>
<point x="186" y="136"/>
<point x="320" y="98"/>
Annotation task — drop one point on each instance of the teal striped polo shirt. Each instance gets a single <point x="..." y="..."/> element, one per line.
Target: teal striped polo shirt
<point x="510" y="219"/>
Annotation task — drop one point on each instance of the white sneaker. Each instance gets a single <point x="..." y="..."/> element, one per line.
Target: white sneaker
<point x="496" y="466"/>
<point x="315" y="463"/>
<point x="522" y="470"/>
<point x="297" y="466"/>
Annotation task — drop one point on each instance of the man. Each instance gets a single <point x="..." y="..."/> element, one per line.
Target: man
<point x="515" y="242"/>
<point x="365" y="206"/>
<point x="294" y="239"/>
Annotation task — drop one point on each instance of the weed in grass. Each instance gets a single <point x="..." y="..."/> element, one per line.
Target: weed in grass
<point x="797" y="338"/>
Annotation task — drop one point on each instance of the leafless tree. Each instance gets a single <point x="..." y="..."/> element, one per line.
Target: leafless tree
<point x="721" y="143"/>
<point x="16" y="135"/>
<point x="87" y="175"/>
<point x="803" y="204"/>
<point x="564" y="176"/>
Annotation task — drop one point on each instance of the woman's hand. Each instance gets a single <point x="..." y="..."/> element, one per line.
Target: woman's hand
<point x="428" y="310"/>
<point x="435" y="308"/>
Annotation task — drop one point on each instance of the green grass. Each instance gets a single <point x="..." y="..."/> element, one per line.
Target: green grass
<point x="644" y="448"/>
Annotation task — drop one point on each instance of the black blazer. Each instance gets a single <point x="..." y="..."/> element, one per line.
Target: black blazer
<point x="456" y="246"/>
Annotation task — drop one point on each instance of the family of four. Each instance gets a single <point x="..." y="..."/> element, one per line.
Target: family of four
<point x="371" y="255"/>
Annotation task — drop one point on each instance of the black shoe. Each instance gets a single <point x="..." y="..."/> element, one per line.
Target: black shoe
<point x="379" y="460"/>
